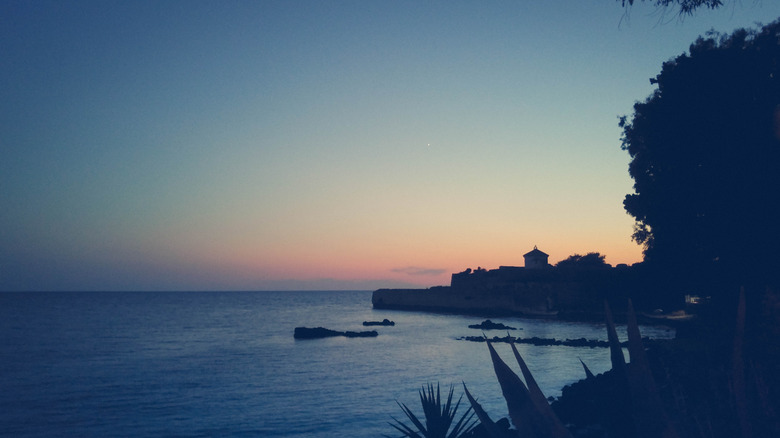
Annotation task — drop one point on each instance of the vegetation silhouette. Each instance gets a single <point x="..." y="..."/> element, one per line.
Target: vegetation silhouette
<point x="686" y="7"/>
<point x="705" y="154"/>
<point x="667" y="390"/>
<point x="705" y="149"/>
<point x="587" y="261"/>
<point x="439" y="417"/>
<point x="624" y="402"/>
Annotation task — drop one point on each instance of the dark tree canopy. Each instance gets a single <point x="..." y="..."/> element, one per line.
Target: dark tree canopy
<point x="587" y="261"/>
<point x="705" y="157"/>
<point x="687" y="7"/>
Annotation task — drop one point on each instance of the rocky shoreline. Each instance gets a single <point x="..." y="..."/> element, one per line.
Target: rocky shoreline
<point x="536" y="341"/>
<point x="446" y="300"/>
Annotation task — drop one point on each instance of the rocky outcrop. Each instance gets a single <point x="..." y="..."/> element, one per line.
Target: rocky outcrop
<point x="490" y="325"/>
<point x="385" y="322"/>
<point x="321" y="332"/>
<point x="581" y="342"/>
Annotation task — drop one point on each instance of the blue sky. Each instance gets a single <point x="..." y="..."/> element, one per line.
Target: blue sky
<point x="191" y="145"/>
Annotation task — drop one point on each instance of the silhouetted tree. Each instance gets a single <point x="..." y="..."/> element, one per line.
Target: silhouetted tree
<point x="587" y="261"/>
<point x="687" y="7"/>
<point x="705" y="158"/>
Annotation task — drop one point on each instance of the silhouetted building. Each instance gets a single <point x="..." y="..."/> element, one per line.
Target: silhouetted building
<point x="535" y="259"/>
<point x="536" y="290"/>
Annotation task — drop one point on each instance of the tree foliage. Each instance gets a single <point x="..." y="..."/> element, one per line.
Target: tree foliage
<point x="687" y="7"/>
<point x="705" y="156"/>
<point x="587" y="261"/>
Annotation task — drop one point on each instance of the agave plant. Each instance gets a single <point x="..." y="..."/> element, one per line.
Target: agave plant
<point x="439" y="417"/>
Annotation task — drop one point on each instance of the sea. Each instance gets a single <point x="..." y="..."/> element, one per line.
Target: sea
<point x="225" y="364"/>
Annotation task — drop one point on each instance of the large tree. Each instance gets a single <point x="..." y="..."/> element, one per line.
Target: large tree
<point x="705" y="158"/>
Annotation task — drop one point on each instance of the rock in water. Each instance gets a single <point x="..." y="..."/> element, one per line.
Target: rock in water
<point x="384" y="322"/>
<point x="490" y="325"/>
<point x="321" y="332"/>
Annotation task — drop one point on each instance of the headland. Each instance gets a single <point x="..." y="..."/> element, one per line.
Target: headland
<point x="537" y="290"/>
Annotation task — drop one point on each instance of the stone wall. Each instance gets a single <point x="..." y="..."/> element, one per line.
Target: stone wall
<point x="530" y="299"/>
<point x="516" y="291"/>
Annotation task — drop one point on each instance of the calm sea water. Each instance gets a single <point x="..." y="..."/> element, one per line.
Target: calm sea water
<point x="192" y="364"/>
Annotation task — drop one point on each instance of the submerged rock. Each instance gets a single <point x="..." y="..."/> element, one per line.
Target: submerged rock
<point x="321" y="332"/>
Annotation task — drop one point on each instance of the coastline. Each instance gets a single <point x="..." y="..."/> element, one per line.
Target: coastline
<point x="519" y="303"/>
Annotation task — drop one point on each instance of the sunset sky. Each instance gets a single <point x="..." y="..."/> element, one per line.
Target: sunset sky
<point x="255" y="145"/>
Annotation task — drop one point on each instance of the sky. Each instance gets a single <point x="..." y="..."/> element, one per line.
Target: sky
<point x="287" y="145"/>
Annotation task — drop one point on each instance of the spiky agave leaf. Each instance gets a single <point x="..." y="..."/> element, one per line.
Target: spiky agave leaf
<point x="738" y="365"/>
<point x="588" y="373"/>
<point x="533" y="388"/>
<point x="438" y="417"/>
<point x="406" y="430"/>
<point x="435" y="417"/>
<point x="484" y="418"/>
<point x="466" y="424"/>
<point x="615" y="350"/>
<point x="650" y="416"/>
<point x="522" y="410"/>
<point x="639" y="372"/>
<point x="619" y="414"/>
<point x="636" y="351"/>
<point x="554" y="425"/>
